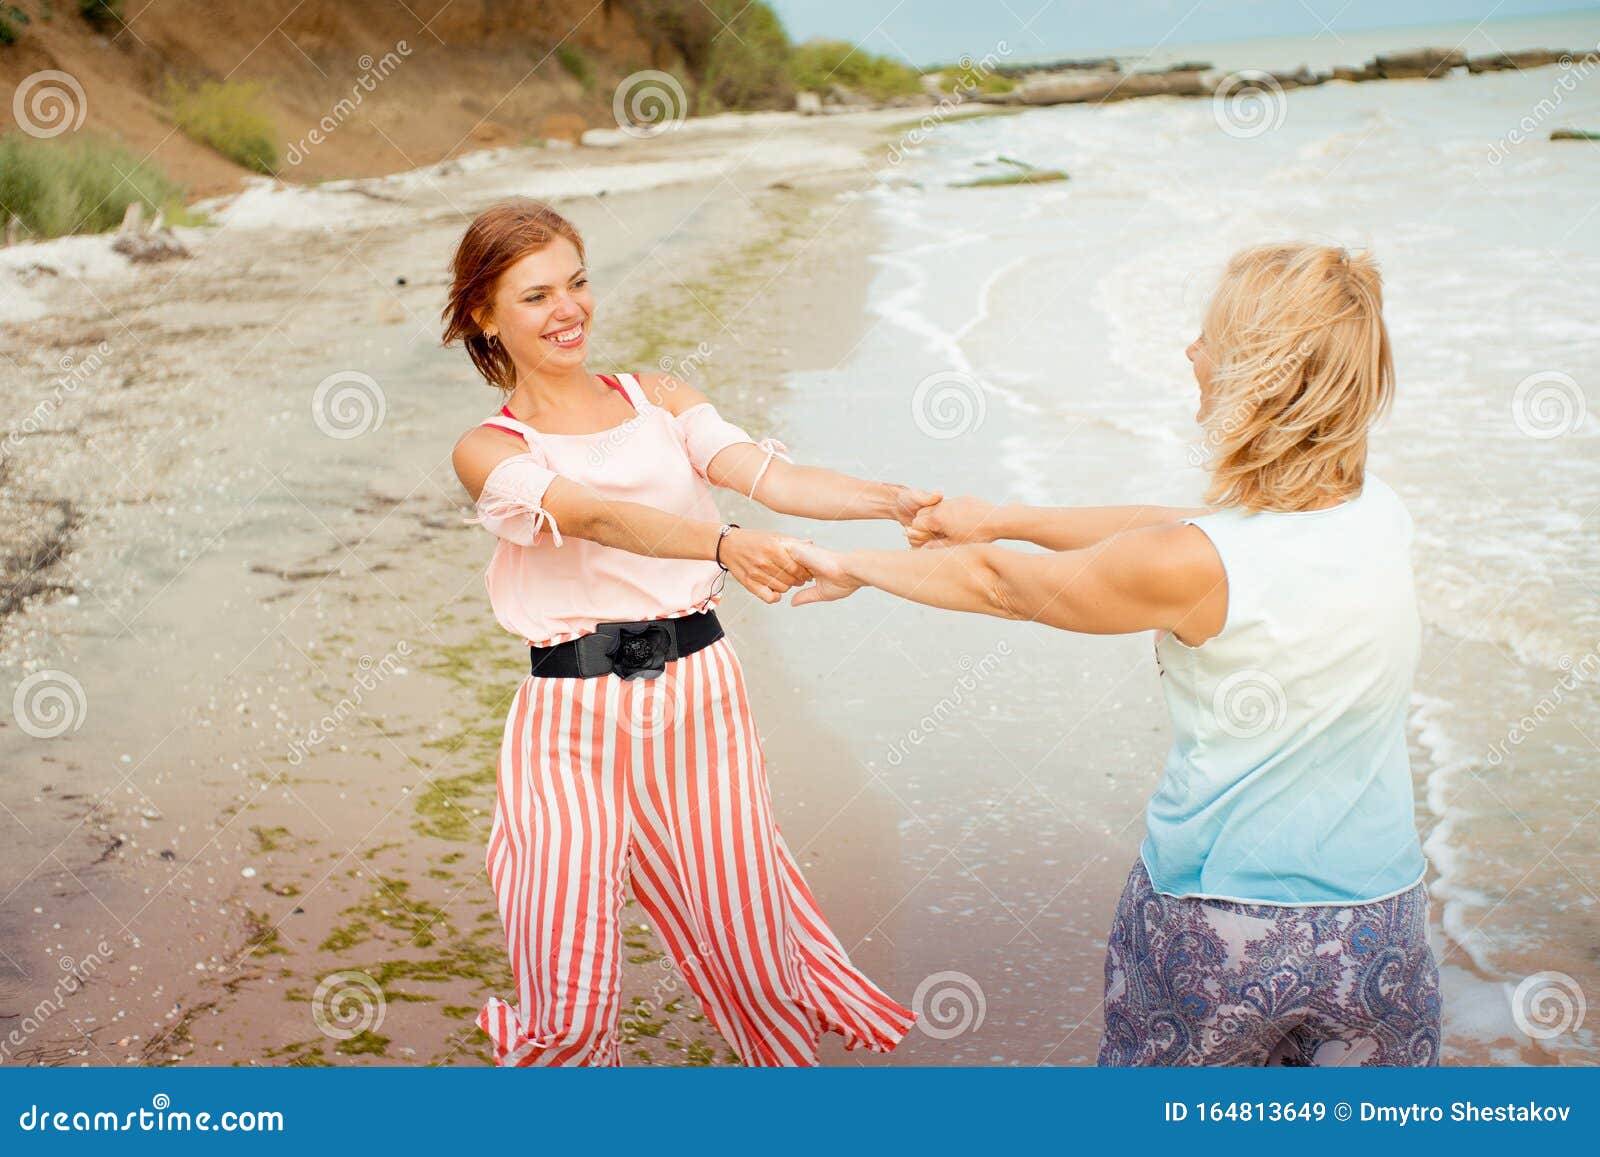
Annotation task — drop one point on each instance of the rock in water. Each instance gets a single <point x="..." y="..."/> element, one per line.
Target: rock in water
<point x="1507" y="61"/>
<point x="1574" y="135"/>
<point x="1424" y="62"/>
<point x="1096" y="87"/>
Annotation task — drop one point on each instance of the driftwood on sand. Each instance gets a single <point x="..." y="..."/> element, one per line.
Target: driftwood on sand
<point x="138" y="243"/>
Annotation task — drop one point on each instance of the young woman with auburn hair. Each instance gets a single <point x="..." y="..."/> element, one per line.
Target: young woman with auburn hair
<point x="629" y="751"/>
<point x="1277" y="913"/>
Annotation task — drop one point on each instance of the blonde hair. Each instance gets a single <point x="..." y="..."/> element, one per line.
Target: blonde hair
<point x="1300" y="370"/>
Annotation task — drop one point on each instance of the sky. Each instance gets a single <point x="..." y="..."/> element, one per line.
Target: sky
<point x="932" y="31"/>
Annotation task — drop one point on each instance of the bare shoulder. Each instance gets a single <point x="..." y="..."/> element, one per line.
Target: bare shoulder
<point x="672" y="394"/>
<point x="479" y="451"/>
<point x="1172" y="558"/>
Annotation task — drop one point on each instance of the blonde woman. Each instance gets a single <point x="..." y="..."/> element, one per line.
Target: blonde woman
<point x="1277" y="912"/>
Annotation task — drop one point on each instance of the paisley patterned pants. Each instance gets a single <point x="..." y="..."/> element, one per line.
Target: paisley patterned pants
<point x="1214" y="982"/>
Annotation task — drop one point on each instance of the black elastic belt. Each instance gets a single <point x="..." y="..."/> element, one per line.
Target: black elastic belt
<point x="629" y="650"/>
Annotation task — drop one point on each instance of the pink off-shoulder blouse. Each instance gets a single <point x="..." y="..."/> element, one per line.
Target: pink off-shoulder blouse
<point x="547" y="589"/>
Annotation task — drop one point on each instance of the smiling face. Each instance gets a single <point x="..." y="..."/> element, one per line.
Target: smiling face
<point x="541" y="310"/>
<point x="1200" y="360"/>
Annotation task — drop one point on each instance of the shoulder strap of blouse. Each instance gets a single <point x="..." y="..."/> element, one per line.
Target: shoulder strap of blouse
<point x="511" y="426"/>
<point x="632" y="390"/>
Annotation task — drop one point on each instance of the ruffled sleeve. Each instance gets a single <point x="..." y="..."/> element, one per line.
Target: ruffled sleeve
<point x="511" y="503"/>
<point x="706" y="433"/>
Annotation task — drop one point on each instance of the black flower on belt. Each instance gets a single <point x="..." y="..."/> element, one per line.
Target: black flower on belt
<point x="642" y="652"/>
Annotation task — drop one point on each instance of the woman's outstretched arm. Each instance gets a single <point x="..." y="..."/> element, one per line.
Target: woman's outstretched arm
<point x="814" y="491"/>
<point x="756" y="558"/>
<point x="966" y="520"/>
<point x="727" y="459"/>
<point x="1159" y="578"/>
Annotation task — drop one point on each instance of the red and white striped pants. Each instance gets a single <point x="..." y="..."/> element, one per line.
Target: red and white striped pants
<point x="663" y="781"/>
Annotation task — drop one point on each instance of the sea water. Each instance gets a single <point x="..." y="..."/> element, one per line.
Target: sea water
<point x="1027" y="345"/>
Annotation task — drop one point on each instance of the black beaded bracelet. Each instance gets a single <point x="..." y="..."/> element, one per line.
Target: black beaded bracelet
<point x="727" y="529"/>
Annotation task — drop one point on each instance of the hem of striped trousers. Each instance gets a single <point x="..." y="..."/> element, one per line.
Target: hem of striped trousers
<point x="516" y="1047"/>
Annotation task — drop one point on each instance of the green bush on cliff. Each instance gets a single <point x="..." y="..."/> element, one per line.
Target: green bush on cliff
<point x="227" y="116"/>
<point x="79" y="185"/>
<point x="818" y="65"/>
<point x="576" y="65"/>
<point x="745" y="66"/>
<point x="11" y="19"/>
<point x="102" y="15"/>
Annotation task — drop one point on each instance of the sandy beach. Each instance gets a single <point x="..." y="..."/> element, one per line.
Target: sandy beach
<point x="280" y="765"/>
<point x="246" y="823"/>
